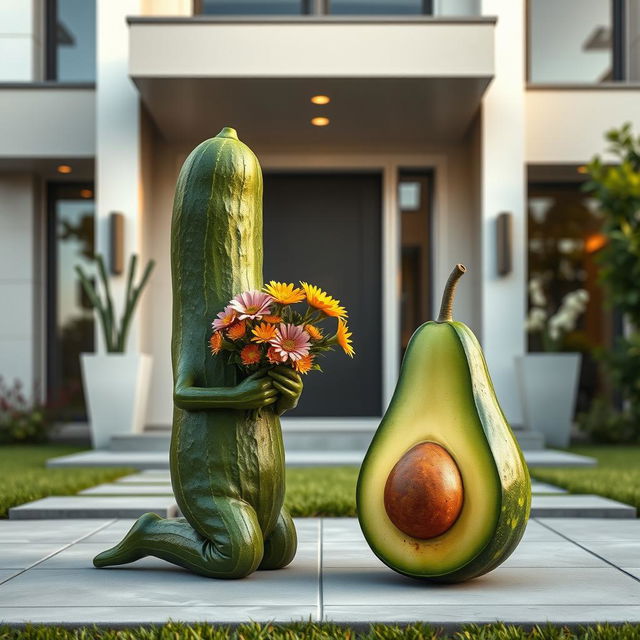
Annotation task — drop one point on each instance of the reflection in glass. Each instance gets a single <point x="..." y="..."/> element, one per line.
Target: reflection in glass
<point x="254" y="7"/>
<point x="379" y="7"/>
<point x="70" y="316"/>
<point x="564" y="237"/>
<point x="570" y="41"/>
<point x="73" y="40"/>
<point x="414" y="198"/>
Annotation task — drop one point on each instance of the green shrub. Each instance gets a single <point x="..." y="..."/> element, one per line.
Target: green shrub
<point x="21" y="420"/>
<point x="605" y="425"/>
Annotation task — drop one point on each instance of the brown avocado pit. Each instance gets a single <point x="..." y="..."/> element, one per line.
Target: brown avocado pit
<point x="423" y="495"/>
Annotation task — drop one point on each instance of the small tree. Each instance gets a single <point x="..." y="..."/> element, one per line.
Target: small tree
<point x="616" y="187"/>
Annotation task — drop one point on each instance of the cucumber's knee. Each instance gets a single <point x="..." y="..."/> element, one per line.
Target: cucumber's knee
<point x="280" y="547"/>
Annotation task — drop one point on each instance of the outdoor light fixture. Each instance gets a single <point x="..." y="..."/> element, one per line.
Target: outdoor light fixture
<point x="504" y="232"/>
<point x="64" y="168"/>
<point x="116" y="245"/>
<point x="320" y="121"/>
<point x="86" y="193"/>
<point x="321" y="99"/>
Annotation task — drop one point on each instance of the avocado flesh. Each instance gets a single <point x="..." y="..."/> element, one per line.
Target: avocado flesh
<point x="444" y="395"/>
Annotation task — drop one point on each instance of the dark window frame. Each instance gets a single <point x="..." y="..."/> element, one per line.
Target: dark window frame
<point x="315" y="7"/>
<point x="307" y="8"/>
<point x="51" y="39"/>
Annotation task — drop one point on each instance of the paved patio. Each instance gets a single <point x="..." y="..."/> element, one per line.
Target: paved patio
<point x="565" y="571"/>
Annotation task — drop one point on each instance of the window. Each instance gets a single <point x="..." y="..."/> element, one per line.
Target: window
<point x="71" y="40"/>
<point x="70" y="324"/>
<point x="380" y="7"/>
<point x="583" y="41"/>
<point x="254" y="7"/>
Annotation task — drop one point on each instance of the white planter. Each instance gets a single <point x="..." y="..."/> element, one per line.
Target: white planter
<point x="116" y="388"/>
<point x="548" y="385"/>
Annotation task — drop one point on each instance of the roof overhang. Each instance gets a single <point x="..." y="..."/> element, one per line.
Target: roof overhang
<point x="401" y="82"/>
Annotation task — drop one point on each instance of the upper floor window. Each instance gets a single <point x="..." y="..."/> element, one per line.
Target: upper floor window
<point x="71" y="40"/>
<point x="334" y="7"/>
<point x="254" y="7"/>
<point x="380" y="7"/>
<point x="583" y="41"/>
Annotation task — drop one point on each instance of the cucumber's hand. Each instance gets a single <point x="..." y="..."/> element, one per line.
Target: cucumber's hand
<point x="254" y="392"/>
<point x="289" y="384"/>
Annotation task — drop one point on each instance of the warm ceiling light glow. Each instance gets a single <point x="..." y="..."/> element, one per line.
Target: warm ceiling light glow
<point x="321" y="99"/>
<point x="583" y="169"/>
<point x="64" y="168"/>
<point x="86" y="193"/>
<point x="594" y="242"/>
<point x="320" y="121"/>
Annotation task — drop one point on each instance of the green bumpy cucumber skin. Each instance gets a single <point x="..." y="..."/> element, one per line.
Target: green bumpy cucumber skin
<point x="219" y="452"/>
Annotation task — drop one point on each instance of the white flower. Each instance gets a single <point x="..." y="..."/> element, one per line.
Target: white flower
<point x="536" y="319"/>
<point x="536" y="292"/>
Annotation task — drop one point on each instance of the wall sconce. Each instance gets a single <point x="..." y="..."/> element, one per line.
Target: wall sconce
<point x="116" y="243"/>
<point x="504" y="243"/>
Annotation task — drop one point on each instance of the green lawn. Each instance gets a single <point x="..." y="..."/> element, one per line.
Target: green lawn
<point x="310" y="631"/>
<point x="617" y="475"/>
<point x="23" y="476"/>
<point x="322" y="491"/>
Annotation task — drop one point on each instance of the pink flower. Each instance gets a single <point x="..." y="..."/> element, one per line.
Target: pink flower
<point x="251" y="304"/>
<point x="225" y="319"/>
<point x="291" y="342"/>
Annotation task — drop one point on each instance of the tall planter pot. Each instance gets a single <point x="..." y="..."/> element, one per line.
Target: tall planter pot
<point x="116" y="387"/>
<point x="548" y="385"/>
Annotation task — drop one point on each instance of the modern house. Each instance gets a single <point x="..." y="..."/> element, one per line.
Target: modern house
<point x="392" y="134"/>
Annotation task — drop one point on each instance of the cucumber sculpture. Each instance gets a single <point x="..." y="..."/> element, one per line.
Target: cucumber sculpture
<point x="444" y="492"/>
<point x="227" y="456"/>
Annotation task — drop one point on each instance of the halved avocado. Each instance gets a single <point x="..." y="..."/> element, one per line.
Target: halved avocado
<point x="443" y="425"/>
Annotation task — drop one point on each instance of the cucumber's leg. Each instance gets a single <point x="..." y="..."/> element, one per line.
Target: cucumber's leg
<point x="234" y="548"/>
<point x="280" y="547"/>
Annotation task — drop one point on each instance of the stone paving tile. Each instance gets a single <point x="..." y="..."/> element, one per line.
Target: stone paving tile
<point x="139" y="615"/>
<point x="5" y="574"/>
<point x="586" y="529"/>
<point x="65" y="507"/>
<point x="124" y="489"/>
<point x="150" y="476"/>
<point x="14" y="556"/>
<point x="618" y="552"/>
<point x="443" y="615"/>
<point x="582" y="506"/>
<point x="47" y="531"/>
<point x="543" y="487"/>
<point x="634" y="571"/>
<point x="504" y="586"/>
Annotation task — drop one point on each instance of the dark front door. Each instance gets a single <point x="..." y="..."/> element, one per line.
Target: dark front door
<point x="324" y="228"/>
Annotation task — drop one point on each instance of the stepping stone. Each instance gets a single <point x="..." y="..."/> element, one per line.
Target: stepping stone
<point x="543" y="487"/>
<point x="150" y="476"/>
<point x="552" y="458"/>
<point x="94" y="507"/>
<point x="134" y="459"/>
<point x="131" y="489"/>
<point x="579" y="506"/>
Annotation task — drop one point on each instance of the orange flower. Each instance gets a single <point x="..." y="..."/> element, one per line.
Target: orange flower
<point x="283" y="293"/>
<point x="250" y="354"/>
<point x="237" y="330"/>
<point x="272" y="319"/>
<point x="304" y="364"/>
<point x="264" y="332"/>
<point x="343" y="337"/>
<point x="317" y="298"/>
<point x="215" y="342"/>
<point x="273" y="356"/>
<point x="313" y="331"/>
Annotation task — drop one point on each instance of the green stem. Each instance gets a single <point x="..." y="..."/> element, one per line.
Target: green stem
<point x="112" y="342"/>
<point x="446" y="307"/>
<point x="96" y="303"/>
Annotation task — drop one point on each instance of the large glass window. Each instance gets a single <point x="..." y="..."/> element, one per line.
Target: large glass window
<point x="582" y="41"/>
<point x="380" y="7"/>
<point x="70" y="324"/>
<point x="254" y="7"/>
<point x="71" y="40"/>
<point x="564" y="238"/>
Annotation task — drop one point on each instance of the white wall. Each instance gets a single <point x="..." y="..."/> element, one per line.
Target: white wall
<point x="503" y="189"/>
<point x="20" y="40"/>
<point x="19" y="280"/>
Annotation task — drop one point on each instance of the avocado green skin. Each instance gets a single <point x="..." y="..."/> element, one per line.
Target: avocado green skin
<point x="227" y="464"/>
<point x="515" y="498"/>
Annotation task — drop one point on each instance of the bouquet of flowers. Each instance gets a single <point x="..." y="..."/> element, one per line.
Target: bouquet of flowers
<point x="267" y="328"/>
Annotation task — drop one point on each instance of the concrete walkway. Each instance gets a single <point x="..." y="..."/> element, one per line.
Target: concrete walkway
<point x="565" y="571"/>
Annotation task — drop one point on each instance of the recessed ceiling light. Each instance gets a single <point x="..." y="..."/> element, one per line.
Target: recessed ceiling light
<point x="64" y="168"/>
<point x="86" y="193"/>
<point x="321" y="99"/>
<point x="320" y="121"/>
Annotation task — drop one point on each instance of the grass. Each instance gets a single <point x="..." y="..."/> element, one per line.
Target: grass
<point x="24" y="477"/>
<point x="325" y="631"/>
<point x="322" y="491"/>
<point x="617" y="475"/>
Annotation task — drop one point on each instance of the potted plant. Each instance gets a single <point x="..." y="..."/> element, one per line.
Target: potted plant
<point x="116" y="383"/>
<point x="548" y="381"/>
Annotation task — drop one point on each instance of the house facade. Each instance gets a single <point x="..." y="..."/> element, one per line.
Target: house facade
<point x="393" y="135"/>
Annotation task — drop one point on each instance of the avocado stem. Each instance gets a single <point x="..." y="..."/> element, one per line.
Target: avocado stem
<point x="446" y="307"/>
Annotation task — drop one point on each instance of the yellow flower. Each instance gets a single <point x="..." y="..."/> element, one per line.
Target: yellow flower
<point x="272" y="319"/>
<point x="264" y="332"/>
<point x="304" y="364"/>
<point x="314" y="332"/>
<point x="283" y="293"/>
<point x="317" y="298"/>
<point x="237" y="330"/>
<point x="215" y="342"/>
<point x="343" y="337"/>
